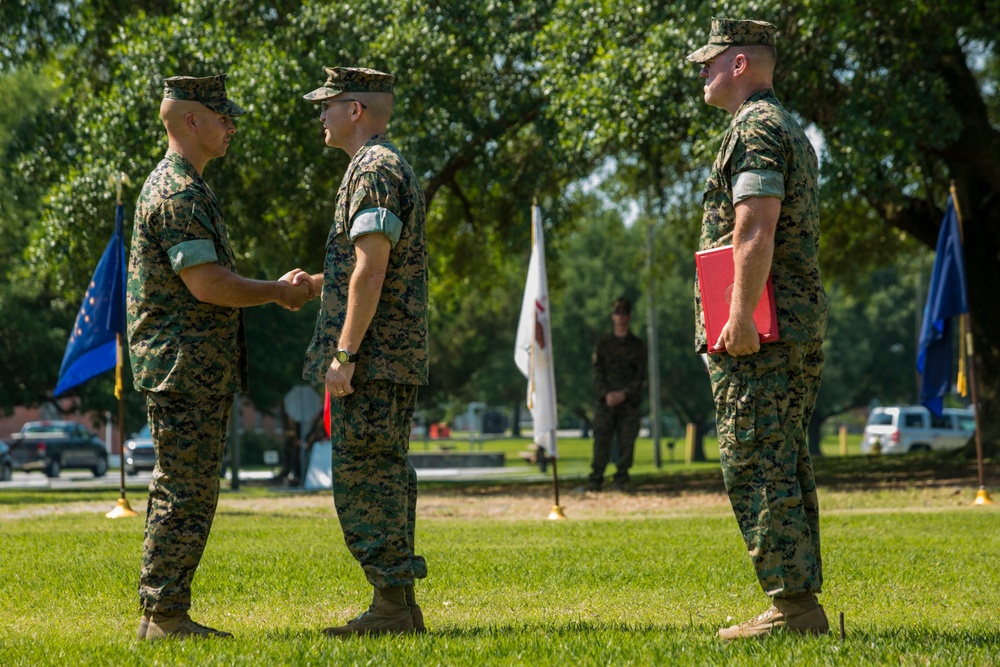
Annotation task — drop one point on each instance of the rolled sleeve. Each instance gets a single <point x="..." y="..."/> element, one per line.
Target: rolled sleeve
<point x="377" y="220"/>
<point x="192" y="253"/>
<point x="758" y="183"/>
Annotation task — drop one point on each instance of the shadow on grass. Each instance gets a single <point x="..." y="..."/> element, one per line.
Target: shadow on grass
<point x="832" y="472"/>
<point x="838" y="473"/>
<point x="486" y="631"/>
<point x="924" y="470"/>
<point x="549" y="629"/>
<point x="869" y="636"/>
<point x="922" y="636"/>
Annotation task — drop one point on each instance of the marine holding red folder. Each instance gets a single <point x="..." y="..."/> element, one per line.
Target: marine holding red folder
<point x="761" y="198"/>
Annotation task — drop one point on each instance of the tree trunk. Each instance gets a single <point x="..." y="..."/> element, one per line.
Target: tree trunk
<point x="984" y="282"/>
<point x="972" y="160"/>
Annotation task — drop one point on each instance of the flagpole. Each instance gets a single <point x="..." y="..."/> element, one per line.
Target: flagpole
<point x="122" y="509"/>
<point x="556" y="513"/>
<point x="982" y="495"/>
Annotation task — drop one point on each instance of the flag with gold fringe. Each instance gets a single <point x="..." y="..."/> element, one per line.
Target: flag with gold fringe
<point x="946" y="298"/>
<point x="93" y="343"/>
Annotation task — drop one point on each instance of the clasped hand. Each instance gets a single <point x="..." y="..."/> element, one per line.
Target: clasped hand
<point x="299" y="291"/>
<point x="614" y="398"/>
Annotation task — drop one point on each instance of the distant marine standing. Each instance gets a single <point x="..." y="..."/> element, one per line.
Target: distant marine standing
<point x="619" y="369"/>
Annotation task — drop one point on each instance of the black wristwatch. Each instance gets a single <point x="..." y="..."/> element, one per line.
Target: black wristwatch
<point x="345" y="357"/>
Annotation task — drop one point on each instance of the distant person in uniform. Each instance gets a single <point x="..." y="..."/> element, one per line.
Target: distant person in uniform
<point x="619" y="364"/>
<point x="187" y="344"/>
<point x="762" y="197"/>
<point x="370" y="344"/>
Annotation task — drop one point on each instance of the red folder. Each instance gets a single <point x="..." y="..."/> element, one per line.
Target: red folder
<point x="716" y="273"/>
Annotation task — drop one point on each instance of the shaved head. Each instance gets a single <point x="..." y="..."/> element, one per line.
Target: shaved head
<point x="172" y="113"/>
<point x="762" y="57"/>
<point x="379" y="104"/>
<point x="196" y="131"/>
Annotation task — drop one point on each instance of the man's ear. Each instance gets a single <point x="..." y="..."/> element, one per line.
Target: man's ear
<point x="191" y="121"/>
<point x="740" y="63"/>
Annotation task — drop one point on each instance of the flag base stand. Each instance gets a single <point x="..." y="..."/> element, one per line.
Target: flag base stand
<point x="982" y="497"/>
<point x="122" y="510"/>
<point x="557" y="513"/>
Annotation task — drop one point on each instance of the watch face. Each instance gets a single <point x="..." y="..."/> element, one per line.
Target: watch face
<point x="343" y="356"/>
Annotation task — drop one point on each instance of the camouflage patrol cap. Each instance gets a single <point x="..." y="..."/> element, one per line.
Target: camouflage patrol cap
<point x="209" y="90"/>
<point x="622" y="304"/>
<point x="351" y="80"/>
<point x="727" y="32"/>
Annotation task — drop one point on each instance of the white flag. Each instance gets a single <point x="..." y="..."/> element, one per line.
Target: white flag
<point x="533" y="349"/>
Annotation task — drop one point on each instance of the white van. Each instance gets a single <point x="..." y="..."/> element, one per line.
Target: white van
<point x="898" y="429"/>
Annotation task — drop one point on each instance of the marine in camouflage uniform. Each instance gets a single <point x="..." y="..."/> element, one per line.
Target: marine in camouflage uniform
<point x="188" y="357"/>
<point x="374" y="485"/>
<point x="619" y="368"/>
<point x="765" y="399"/>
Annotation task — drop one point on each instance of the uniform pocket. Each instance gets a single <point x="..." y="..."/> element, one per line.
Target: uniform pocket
<point x="738" y="411"/>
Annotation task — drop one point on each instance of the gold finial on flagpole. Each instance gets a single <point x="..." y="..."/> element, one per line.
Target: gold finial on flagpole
<point x="117" y="181"/>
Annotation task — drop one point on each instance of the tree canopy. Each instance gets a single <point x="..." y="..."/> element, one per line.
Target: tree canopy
<point x="499" y="103"/>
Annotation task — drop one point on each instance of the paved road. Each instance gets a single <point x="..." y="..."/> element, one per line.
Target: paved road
<point x="79" y="479"/>
<point x="82" y="479"/>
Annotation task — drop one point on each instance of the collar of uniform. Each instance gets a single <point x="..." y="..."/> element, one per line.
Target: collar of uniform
<point x="177" y="158"/>
<point x="379" y="138"/>
<point x="750" y="101"/>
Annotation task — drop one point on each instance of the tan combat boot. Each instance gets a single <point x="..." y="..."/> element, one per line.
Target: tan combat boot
<point x="801" y="614"/>
<point x="416" y="614"/>
<point x="388" y="613"/>
<point x="143" y="625"/>
<point x="159" y="626"/>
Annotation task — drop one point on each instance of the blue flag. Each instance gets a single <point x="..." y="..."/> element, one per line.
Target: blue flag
<point x="93" y="344"/>
<point x="945" y="299"/>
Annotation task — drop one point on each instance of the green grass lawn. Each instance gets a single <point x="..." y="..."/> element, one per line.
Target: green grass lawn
<point x="642" y="579"/>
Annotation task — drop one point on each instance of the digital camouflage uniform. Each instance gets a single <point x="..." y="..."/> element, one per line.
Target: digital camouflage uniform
<point x="188" y="359"/>
<point x="374" y="485"/>
<point x="764" y="401"/>
<point x="619" y="364"/>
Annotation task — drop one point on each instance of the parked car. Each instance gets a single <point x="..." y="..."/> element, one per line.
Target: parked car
<point x="51" y="446"/>
<point x="6" y="465"/>
<point x="898" y="429"/>
<point x="139" y="452"/>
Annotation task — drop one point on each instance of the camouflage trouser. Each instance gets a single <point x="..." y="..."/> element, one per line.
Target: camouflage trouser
<point x="374" y="485"/>
<point x="764" y="403"/>
<point x="189" y="434"/>
<point x="622" y="421"/>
